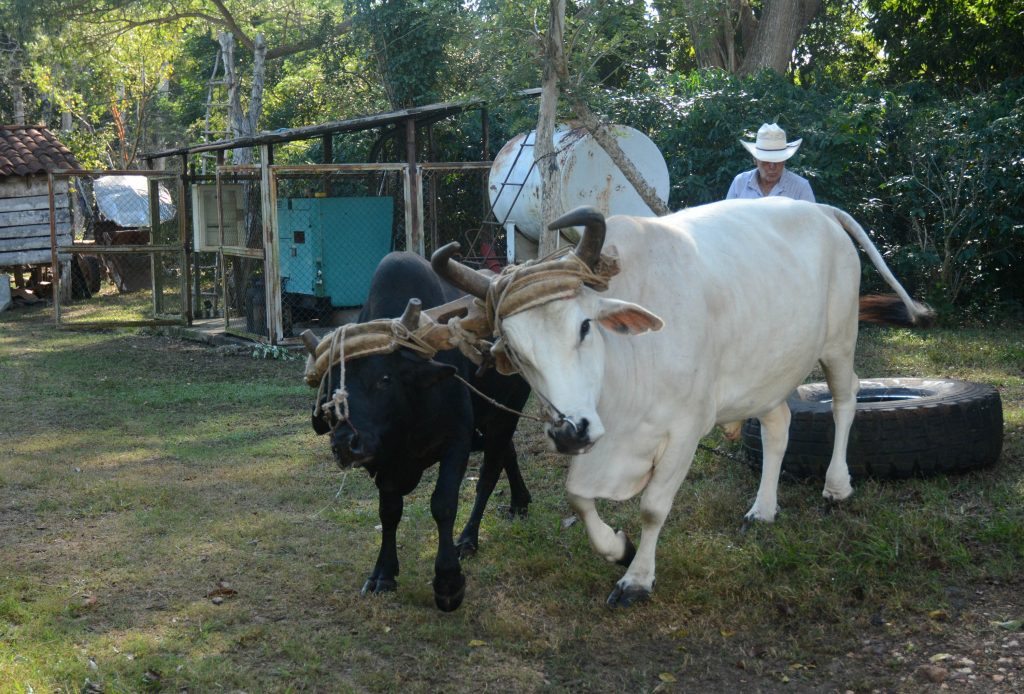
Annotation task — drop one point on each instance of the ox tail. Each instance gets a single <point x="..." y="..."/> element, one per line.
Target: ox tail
<point x="893" y="310"/>
<point x="889" y="309"/>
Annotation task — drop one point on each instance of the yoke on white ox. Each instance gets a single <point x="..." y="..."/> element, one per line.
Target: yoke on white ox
<point x="389" y="399"/>
<point x="743" y="298"/>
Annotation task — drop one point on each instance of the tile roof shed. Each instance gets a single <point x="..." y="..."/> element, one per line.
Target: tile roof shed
<point x="26" y="150"/>
<point x="27" y="154"/>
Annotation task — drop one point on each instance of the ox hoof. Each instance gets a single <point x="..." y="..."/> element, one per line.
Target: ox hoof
<point x="516" y="512"/>
<point x="829" y="506"/>
<point x="375" y="586"/>
<point x="449" y="592"/>
<point x="466" y="547"/>
<point x="751" y="521"/>
<point x="627" y="596"/>
<point x="838" y="494"/>
<point x="628" y="553"/>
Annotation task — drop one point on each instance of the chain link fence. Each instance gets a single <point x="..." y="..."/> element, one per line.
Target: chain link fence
<point x="227" y="262"/>
<point x="457" y="208"/>
<point x="146" y="249"/>
<point x="334" y="224"/>
<point x="123" y="262"/>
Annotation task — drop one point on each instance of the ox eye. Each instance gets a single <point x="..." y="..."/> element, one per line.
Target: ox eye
<point x="384" y="382"/>
<point x="584" y="329"/>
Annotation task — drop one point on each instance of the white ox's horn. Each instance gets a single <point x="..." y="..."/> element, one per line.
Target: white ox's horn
<point x="592" y="240"/>
<point x="455" y="273"/>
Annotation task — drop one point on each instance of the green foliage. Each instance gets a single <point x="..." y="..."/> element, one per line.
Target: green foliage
<point x="952" y="42"/>
<point x="837" y="47"/>
<point x="956" y="189"/>
<point x="90" y="148"/>
<point x="265" y="351"/>
<point x="938" y="181"/>
<point x="404" y="44"/>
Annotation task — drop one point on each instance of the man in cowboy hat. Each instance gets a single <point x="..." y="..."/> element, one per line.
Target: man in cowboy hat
<point x="770" y="151"/>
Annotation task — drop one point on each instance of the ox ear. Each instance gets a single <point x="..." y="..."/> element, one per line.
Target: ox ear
<point x="502" y="362"/>
<point x="627" y="318"/>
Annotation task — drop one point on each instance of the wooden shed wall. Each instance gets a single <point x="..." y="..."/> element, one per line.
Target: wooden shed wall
<point x="25" y="219"/>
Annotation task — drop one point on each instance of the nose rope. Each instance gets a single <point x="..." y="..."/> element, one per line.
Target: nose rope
<point x="338" y="401"/>
<point x="560" y="275"/>
<point x="547" y="403"/>
<point x="338" y="396"/>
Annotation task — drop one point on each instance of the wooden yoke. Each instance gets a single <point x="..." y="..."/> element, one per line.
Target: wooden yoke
<point x="425" y="332"/>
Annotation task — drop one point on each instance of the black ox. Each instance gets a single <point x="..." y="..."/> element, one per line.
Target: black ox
<point x="405" y="413"/>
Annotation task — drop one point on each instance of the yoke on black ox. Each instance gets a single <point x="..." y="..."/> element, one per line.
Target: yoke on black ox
<point x="388" y="397"/>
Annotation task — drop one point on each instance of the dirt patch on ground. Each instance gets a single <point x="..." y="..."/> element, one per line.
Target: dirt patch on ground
<point x="975" y="646"/>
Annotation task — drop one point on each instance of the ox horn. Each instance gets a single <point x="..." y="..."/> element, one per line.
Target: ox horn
<point x="457" y="274"/>
<point x="411" y="317"/>
<point x="310" y="340"/>
<point x="590" y="218"/>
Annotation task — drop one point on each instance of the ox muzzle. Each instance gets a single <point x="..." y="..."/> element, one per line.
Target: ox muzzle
<point x="570" y="437"/>
<point x="352" y="448"/>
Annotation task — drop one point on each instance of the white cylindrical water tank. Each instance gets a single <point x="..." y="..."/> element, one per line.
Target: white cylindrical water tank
<point x="588" y="176"/>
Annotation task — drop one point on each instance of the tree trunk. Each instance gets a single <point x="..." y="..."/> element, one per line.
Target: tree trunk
<point x="18" y="97"/>
<point x="726" y="34"/>
<point x="781" y="24"/>
<point x="544" y="154"/>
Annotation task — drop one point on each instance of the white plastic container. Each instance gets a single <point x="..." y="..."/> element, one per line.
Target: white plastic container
<point x="589" y="177"/>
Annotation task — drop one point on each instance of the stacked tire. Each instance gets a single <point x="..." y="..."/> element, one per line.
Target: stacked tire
<point x="904" y="427"/>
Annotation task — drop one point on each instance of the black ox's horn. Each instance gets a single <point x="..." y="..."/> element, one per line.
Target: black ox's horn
<point x="310" y="340"/>
<point x="455" y="273"/>
<point x="592" y="240"/>
<point x="411" y="317"/>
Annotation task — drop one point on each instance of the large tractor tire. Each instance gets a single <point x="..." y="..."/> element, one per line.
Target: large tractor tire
<point x="904" y="427"/>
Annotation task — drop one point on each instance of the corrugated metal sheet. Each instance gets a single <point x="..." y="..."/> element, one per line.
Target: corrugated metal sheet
<point x="124" y="200"/>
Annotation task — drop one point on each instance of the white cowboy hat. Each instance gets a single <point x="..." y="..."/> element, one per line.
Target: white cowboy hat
<point x="771" y="144"/>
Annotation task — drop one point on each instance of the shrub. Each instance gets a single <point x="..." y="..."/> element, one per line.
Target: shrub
<point x="938" y="181"/>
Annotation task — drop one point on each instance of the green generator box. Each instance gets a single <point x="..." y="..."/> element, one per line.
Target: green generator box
<point x="330" y="247"/>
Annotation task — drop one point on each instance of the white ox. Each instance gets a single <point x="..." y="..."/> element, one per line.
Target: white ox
<point x="746" y="298"/>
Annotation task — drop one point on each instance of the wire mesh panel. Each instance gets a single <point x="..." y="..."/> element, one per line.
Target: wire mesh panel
<point x="228" y="249"/>
<point x="124" y="260"/>
<point x="456" y="208"/>
<point x="334" y="225"/>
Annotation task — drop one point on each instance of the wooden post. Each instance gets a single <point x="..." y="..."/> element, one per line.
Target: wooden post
<point x="271" y="269"/>
<point x="221" y="263"/>
<point x="543" y="148"/>
<point x="155" y="265"/>
<point x="54" y="263"/>
<point x="328" y="149"/>
<point x="185" y="257"/>
<point x="413" y="194"/>
<point x="195" y="299"/>
<point x="431" y="192"/>
<point x="184" y="219"/>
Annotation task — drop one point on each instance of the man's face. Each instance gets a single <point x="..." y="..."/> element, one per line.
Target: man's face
<point x="769" y="171"/>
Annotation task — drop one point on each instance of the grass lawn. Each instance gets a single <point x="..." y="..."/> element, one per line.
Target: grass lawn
<point x="170" y="522"/>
